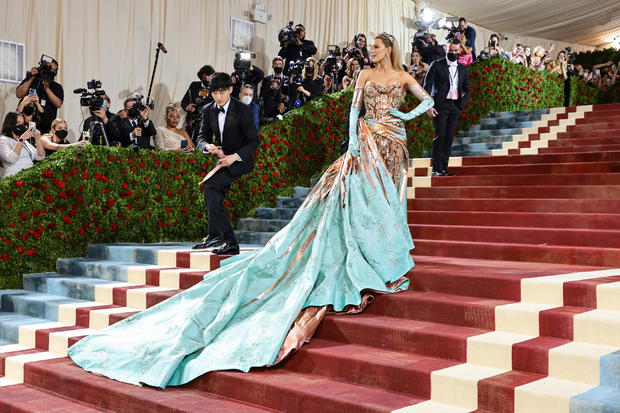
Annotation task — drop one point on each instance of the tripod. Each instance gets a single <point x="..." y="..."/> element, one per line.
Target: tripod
<point x="91" y="130"/>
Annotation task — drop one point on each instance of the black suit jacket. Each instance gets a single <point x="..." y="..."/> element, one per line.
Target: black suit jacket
<point x="437" y="83"/>
<point x="113" y="130"/>
<point x="144" y="141"/>
<point x="240" y="134"/>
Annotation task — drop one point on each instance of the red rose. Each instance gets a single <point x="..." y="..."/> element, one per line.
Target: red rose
<point x="113" y="227"/>
<point x="184" y="209"/>
<point x="13" y="194"/>
<point x="265" y="177"/>
<point x="111" y="203"/>
<point x="4" y="257"/>
<point x="47" y="173"/>
<point x="67" y="220"/>
<point x="19" y="184"/>
<point x="20" y="249"/>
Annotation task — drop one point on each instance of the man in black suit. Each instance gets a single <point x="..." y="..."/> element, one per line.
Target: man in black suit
<point x="447" y="82"/>
<point x="111" y="125"/>
<point x="138" y="130"/>
<point x="226" y="130"/>
<point x="470" y="34"/>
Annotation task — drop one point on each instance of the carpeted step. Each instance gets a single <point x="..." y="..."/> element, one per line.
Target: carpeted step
<point x="275" y="213"/>
<point x="538" y="169"/>
<point x="276" y="389"/>
<point x="543" y="158"/>
<point x="544" y="205"/>
<point x="406" y="373"/>
<point x="600" y="399"/>
<point x="608" y="257"/>
<point x="572" y="149"/>
<point x="524" y="180"/>
<point x="399" y="334"/>
<point x="466" y="140"/>
<point x="517" y="219"/>
<point x="63" y="377"/>
<point x="534" y="192"/>
<point x="261" y="225"/>
<point x="566" y="143"/>
<point x="26" y="398"/>
<point x="439" y="308"/>
<point x="519" y="235"/>
<point x="496" y="393"/>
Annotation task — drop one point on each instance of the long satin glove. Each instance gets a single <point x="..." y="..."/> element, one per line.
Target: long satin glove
<point x="354" y="146"/>
<point x="425" y="105"/>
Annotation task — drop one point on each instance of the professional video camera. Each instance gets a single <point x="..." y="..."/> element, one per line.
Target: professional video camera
<point x="93" y="100"/>
<point x="242" y="64"/>
<point x="288" y="35"/>
<point x="454" y="32"/>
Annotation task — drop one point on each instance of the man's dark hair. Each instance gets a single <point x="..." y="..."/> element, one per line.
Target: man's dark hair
<point x="275" y="59"/>
<point x="205" y="70"/>
<point x="462" y="19"/>
<point x="455" y="41"/>
<point x="126" y="101"/>
<point x="10" y="120"/>
<point x="220" y="82"/>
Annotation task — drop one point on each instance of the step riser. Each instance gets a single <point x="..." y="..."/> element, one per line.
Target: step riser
<point x="605" y="206"/>
<point x="567" y="192"/>
<point x="535" y="236"/>
<point x="523" y="180"/>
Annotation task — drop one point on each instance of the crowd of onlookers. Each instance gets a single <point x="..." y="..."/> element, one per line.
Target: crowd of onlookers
<point x="34" y="131"/>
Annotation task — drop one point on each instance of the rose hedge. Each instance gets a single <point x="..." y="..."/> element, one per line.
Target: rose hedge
<point x="99" y="194"/>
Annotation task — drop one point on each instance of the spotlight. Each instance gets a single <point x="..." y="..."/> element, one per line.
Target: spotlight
<point x="427" y="16"/>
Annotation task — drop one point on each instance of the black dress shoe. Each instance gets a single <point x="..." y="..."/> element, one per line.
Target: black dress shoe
<point x="227" y="249"/>
<point x="208" y="242"/>
<point x="446" y="173"/>
<point x="437" y="173"/>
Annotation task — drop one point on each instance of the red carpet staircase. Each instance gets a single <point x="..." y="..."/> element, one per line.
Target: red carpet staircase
<point x="514" y="304"/>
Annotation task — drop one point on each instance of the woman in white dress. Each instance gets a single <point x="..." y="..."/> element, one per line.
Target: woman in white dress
<point x="171" y="138"/>
<point x="16" y="153"/>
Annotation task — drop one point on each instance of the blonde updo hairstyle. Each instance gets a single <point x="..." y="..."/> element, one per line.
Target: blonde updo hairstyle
<point x="390" y="41"/>
<point x="171" y="107"/>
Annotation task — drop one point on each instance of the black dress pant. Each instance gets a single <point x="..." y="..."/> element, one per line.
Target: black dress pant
<point x="214" y="191"/>
<point x="445" y="127"/>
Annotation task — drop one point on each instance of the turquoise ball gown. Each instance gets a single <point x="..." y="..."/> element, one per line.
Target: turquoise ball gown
<point x="350" y="238"/>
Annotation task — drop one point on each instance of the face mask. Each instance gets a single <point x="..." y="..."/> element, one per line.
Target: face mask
<point x="28" y="110"/>
<point x="309" y="71"/>
<point x="19" y="130"/>
<point x="277" y="70"/>
<point x="61" y="133"/>
<point x="246" y="99"/>
<point x="452" y="56"/>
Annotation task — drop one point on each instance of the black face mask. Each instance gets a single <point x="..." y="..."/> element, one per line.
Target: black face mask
<point x="20" y="129"/>
<point x="277" y="70"/>
<point x="28" y="110"/>
<point x="452" y="57"/>
<point x="62" y="134"/>
<point x="309" y="71"/>
<point x="275" y="91"/>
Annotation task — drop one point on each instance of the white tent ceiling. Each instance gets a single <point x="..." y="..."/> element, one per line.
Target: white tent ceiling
<point x="586" y="22"/>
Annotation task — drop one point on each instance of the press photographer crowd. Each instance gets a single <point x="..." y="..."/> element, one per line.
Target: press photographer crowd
<point x="34" y="131"/>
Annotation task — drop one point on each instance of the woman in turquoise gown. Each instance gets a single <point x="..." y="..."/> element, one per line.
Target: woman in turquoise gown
<point x="348" y="239"/>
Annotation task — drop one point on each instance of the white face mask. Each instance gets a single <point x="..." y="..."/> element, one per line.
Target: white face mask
<point x="246" y="99"/>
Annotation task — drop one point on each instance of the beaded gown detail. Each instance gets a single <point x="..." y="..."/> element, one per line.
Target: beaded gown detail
<point x="349" y="238"/>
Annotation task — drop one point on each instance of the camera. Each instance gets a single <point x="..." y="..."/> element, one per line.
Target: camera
<point x="242" y="64"/>
<point x="454" y="32"/>
<point x="331" y="62"/>
<point x="288" y="35"/>
<point x="296" y="68"/>
<point x="93" y="100"/>
<point x="139" y="106"/>
<point x="46" y="73"/>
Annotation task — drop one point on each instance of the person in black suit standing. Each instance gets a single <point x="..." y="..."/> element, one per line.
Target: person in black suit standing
<point x="138" y="130"/>
<point x="470" y="35"/>
<point x="227" y="130"/>
<point x="447" y="82"/>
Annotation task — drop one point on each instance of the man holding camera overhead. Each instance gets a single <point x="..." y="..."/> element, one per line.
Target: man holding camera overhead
<point x="138" y="130"/>
<point x="40" y="81"/>
<point x="294" y="45"/>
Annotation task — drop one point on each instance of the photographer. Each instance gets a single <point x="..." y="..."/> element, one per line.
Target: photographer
<point x="274" y="102"/>
<point x="138" y="130"/>
<point x="358" y="49"/>
<point x="277" y="65"/>
<point x="197" y="97"/>
<point x="40" y="80"/>
<point x="31" y="109"/>
<point x="241" y="77"/>
<point x="111" y="125"/>
<point x="431" y="51"/>
<point x="57" y="138"/>
<point x="16" y="153"/>
<point x="540" y="57"/>
<point x="492" y="49"/>
<point x="470" y="35"/>
<point x="311" y="85"/>
<point x="294" y="46"/>
<point x="246" y="96"/>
